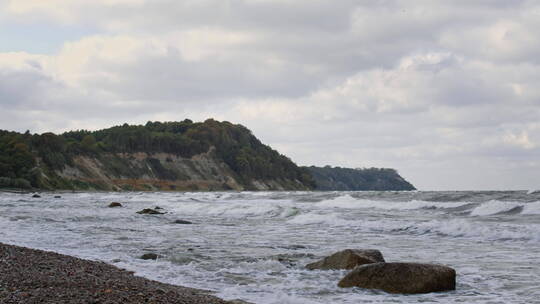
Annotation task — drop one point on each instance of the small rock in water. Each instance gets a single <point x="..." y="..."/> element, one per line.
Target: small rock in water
<point x="150" y="256"/>
<point x="182" y="222"/>
<point x="348" y="259"/>
<point x="36" y="195"/>
<point x="296" y="247"/>
<point x="407" y="278"/>
<point x="57" y="196"/>
<point x="149" y="211"/>
<point x="115" y="204"/>
<point x="157" y="208"/>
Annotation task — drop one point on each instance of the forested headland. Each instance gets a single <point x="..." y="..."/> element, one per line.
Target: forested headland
<point x="360" y="179"/>
<point x="37" y="160"/>
<point x="184" y="155"/>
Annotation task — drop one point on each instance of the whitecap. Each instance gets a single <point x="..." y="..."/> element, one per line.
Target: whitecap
<point x="494" y="207"/>
<point x="531" y="208"/>
<point x="348" y="202"/>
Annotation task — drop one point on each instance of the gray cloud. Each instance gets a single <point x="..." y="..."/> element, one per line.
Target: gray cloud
<point x="444" y="91"/>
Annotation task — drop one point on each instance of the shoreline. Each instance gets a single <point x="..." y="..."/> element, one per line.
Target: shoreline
<point x="37" y="276"/>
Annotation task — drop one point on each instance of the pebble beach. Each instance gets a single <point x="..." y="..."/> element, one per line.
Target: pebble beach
<point x="36" y="276"/>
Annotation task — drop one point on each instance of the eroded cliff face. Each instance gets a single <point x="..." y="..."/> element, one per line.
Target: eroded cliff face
<point x="160" y="171"/>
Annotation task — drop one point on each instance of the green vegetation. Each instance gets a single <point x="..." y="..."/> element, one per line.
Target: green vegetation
<point x="39" y="160"/>
<point x="17" y="163"/>
<point x="346" y="179"/>
<point x="25" y="159"/>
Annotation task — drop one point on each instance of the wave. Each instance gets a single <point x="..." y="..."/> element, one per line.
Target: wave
<point x="468" y="229"/>
<point x="495" y="207"/>
<point x="349" y="202"/>
<point x="488" y="208"/>
<point x="456" y="228"/>
<point x="531" y="209"/>
<point x="332" y="219"/>
<point x="506" y="208"/>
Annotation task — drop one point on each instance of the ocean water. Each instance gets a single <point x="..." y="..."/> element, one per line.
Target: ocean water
<point x="254" y="245"/>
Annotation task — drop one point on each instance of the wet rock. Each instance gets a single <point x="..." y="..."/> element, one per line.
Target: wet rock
<point x="149" y="211"/>
<point x="36" y="196"/>
<point x="348" y="259"/>
<point x="158" y="208"/>
<point x="115" y="204"/>
<point x="57" y="196"/>
<point x="404" y="278"/>
<point x="150" y="256"/>
<point x="182" y="222"/>
<point x="293" y="247"/>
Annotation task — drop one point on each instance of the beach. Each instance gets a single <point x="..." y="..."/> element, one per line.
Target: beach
<point x="36" y="276"/>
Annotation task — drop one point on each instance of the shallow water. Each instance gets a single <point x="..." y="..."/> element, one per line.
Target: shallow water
<point x="254" y="245"/>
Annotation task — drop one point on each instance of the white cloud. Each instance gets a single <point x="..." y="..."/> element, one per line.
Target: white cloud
<point x="521" y="140"/>
<point x="435" y="89"/>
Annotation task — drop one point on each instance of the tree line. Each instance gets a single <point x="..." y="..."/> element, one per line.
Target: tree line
<point x="23" y="156"/>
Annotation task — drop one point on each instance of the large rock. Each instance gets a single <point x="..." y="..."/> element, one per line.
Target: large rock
<point x="402" y="277"/>
<point x="348" y="259"/>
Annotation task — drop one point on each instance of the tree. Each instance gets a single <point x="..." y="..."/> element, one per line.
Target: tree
<point x="89" y="143"/>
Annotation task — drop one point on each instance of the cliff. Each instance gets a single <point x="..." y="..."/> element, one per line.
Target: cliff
<point x="347" y="179"/>
<point x="183" y="155"/>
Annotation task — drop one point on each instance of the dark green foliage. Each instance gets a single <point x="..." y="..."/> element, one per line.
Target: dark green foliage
<point x="24" y="155"/>
<point x="20" y="183"/>
<point x="17" y="163"/>
<point x="51" y="148"/>
<point x="154" y="137"/>
<point x="344" y="179"/>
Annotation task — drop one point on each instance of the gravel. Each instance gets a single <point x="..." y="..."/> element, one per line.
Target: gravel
<point x="36" y="276"/>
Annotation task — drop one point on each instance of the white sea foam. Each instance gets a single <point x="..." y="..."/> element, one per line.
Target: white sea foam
<point x="348" y="202"/>
<point x="290" y="211"/>
<point x="494" y="207"/>
<point x="531" y="208"/>
<point x="315" y="218"/>
<point x="469" y="229"/>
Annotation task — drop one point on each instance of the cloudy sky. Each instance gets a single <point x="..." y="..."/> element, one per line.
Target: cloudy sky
<point x="447" y="92"/>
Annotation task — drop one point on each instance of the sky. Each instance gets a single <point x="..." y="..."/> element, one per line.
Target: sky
<point x="446" y="92"/>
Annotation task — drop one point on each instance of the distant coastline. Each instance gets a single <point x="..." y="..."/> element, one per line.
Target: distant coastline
<point x="169" y="156"/>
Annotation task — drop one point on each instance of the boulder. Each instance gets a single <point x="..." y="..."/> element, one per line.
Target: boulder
<point x="149" y="211"/>
<point x="150" y="256"/>
<point x="115" y="204"/>
<point x="36" y="196"/>
<point x="183" y="222"/>
<point x="404" y="278"/>
<point x="348" y="259"/>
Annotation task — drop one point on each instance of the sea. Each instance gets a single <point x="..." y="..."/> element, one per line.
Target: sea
<point x="254" y="246"/>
